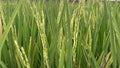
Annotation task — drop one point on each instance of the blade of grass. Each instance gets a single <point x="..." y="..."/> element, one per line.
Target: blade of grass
<point x="9" y="26"/>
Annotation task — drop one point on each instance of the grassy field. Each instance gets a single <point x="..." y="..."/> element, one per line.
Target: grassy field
<point x="60" y="34"/>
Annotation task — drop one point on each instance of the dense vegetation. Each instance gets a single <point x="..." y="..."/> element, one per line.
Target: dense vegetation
<point x="60" y="34"/>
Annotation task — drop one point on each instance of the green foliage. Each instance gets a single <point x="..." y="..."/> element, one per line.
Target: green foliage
<point x="60" y="34"/>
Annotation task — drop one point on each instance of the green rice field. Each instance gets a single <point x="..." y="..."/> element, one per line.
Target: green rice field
<point x="42" y="34"/>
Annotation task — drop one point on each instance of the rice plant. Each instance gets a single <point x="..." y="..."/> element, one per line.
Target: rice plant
<point x="59" y="34"/>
